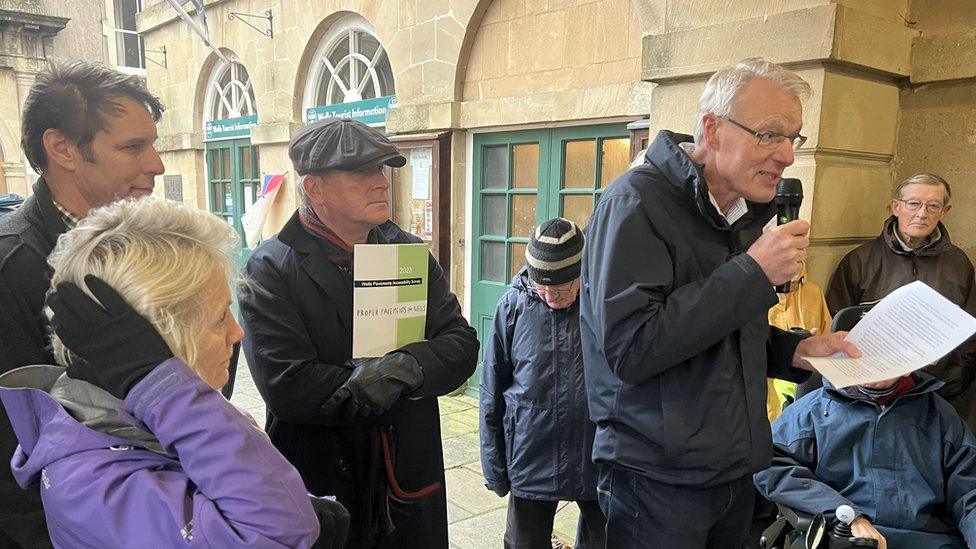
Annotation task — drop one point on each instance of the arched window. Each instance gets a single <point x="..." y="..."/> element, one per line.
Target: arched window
<point x="349" y="65"/>
<point x="230" y="94"/>
<point x="233" y="163"/>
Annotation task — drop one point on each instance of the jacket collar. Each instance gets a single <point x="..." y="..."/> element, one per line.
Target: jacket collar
<point x="101" y="411"/>
<point x="666" y="154"/>
<point x="924" y="384"/>
<point x="45" y="430"/>
<point x="929" y="249"/>
<point x="335" y="282"/>
<point x="39" y="212"/>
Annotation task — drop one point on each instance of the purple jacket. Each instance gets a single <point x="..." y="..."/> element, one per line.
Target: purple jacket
<point x="216" y="480"/>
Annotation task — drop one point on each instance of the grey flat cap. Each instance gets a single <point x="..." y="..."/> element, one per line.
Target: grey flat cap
<point x="341" y="144"/>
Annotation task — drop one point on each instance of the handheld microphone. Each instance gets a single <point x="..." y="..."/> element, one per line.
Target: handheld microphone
<point x="789" y="195"/>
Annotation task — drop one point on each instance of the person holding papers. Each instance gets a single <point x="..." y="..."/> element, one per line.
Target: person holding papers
<point x="895" y="451"/>
<point x="366" y="430"/>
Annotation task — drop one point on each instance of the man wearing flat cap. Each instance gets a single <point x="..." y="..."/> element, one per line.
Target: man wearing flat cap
<point x="365" y="430"/>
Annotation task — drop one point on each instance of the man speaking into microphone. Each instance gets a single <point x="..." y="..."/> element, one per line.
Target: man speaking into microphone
<point x="677" y="281"/>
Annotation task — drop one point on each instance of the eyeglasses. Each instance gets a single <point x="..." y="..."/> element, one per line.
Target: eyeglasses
<point x="914" y="205"/>
<point x="770" y="140"/>
<point x="551" y="291"/>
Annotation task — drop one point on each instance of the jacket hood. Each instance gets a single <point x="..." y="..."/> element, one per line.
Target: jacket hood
<point x="924" y="383"/>
<point x="674" y="163"/>
<point x="943" y="244"/>
<point x="521" y="280"/>
<point x="45" y="430"/>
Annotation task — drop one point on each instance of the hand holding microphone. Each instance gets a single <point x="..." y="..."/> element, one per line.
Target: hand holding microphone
<point x="780" y="251"/>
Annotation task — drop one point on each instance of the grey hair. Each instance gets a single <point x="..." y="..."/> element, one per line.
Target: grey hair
<point x="722" y="89"/>
<point x="158" y="255"/>
<point x="300" y="188"/>
<point x="924" y="178"/>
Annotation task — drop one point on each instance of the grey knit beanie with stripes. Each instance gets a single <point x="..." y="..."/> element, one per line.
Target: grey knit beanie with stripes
<point x="554" y="253"/>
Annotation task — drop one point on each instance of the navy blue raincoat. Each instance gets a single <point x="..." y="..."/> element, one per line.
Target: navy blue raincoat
<point x="536" y="437"/>
<point x="909" y="467"/>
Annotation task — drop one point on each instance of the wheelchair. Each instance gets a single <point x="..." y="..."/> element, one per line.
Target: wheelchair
<point x="794" y="529"/>
<point x="797" y="530"/>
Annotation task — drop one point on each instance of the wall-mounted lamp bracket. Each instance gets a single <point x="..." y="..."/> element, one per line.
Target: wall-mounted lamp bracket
<point x="161" y="50"/>
<point x="243" y="18"/>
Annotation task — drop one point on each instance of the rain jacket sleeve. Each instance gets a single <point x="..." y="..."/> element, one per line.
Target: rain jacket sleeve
<point x="496" y="377"/>
<point x="959" y="468"/>
<point x="790" y="480"/>
<point x="449" y="354"/>
<point x="644" y="324"/>
<point x="234" y="490"/>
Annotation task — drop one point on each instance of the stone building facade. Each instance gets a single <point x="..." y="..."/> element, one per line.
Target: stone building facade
<point x="513" y="111"/>
<point x="31" y="33"/>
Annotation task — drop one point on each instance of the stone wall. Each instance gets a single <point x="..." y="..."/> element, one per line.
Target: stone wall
<point x="33" y="32"/>
<point x="85" y="35"/>
<point x="937" y="130"/>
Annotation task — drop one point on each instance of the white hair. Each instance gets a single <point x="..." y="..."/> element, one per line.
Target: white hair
<point x="723" y="88"/>
<point x="924" y="178"/>
<point x="158" y="255"/>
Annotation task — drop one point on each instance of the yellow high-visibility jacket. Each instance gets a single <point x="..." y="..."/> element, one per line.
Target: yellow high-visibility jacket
<point x="803" y="307"/>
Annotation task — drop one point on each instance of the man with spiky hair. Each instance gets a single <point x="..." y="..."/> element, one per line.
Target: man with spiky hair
<point x="90" y="132"/>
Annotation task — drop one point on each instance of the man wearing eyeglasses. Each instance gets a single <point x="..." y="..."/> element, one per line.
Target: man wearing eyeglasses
<point x="915" y="245"/>
<point x="536" y="436"/>
<point x="677" y="282"/>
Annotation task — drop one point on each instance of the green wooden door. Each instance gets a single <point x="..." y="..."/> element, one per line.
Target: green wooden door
<point x="521" y="179"/>
<point x="233" y="182"/>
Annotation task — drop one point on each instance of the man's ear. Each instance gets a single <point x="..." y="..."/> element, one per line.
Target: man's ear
<point x="61" y="150"/>
<point x="710" y="130"/>
<point x="312" y="184"/>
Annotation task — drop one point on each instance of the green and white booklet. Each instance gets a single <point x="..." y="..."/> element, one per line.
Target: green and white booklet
<point x="389" y="299"/>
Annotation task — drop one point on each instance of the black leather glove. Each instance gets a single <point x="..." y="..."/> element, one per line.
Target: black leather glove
<point x="375" y="385"/>
<point x="333" y="523"/>
<point x="116" y="345"/>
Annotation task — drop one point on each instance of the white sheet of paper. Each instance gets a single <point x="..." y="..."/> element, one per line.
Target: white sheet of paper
<point x="912" y="327"/>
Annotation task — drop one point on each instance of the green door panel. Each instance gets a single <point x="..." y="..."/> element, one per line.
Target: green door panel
<point x="521" y="179"/>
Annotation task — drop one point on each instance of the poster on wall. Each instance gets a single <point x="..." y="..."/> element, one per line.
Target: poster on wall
<point x="420" y="163"/>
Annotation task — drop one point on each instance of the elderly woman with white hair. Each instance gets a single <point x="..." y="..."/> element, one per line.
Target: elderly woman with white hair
<point x="131" y="444"/>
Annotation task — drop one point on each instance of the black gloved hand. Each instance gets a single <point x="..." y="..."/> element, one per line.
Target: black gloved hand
<point x="375" y="385"/>
<point x="116" y="345"/>
<point x="333" y="523"/>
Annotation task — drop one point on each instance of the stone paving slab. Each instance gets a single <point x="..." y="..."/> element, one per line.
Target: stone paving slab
<point x="466" y="489"/>
<point x="484" y="531"/>
<point x="461" y="450"/>
<point x="452" y="427"/>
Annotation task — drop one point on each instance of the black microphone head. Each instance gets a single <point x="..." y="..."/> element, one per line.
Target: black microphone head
<point x="789" y="191"/>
